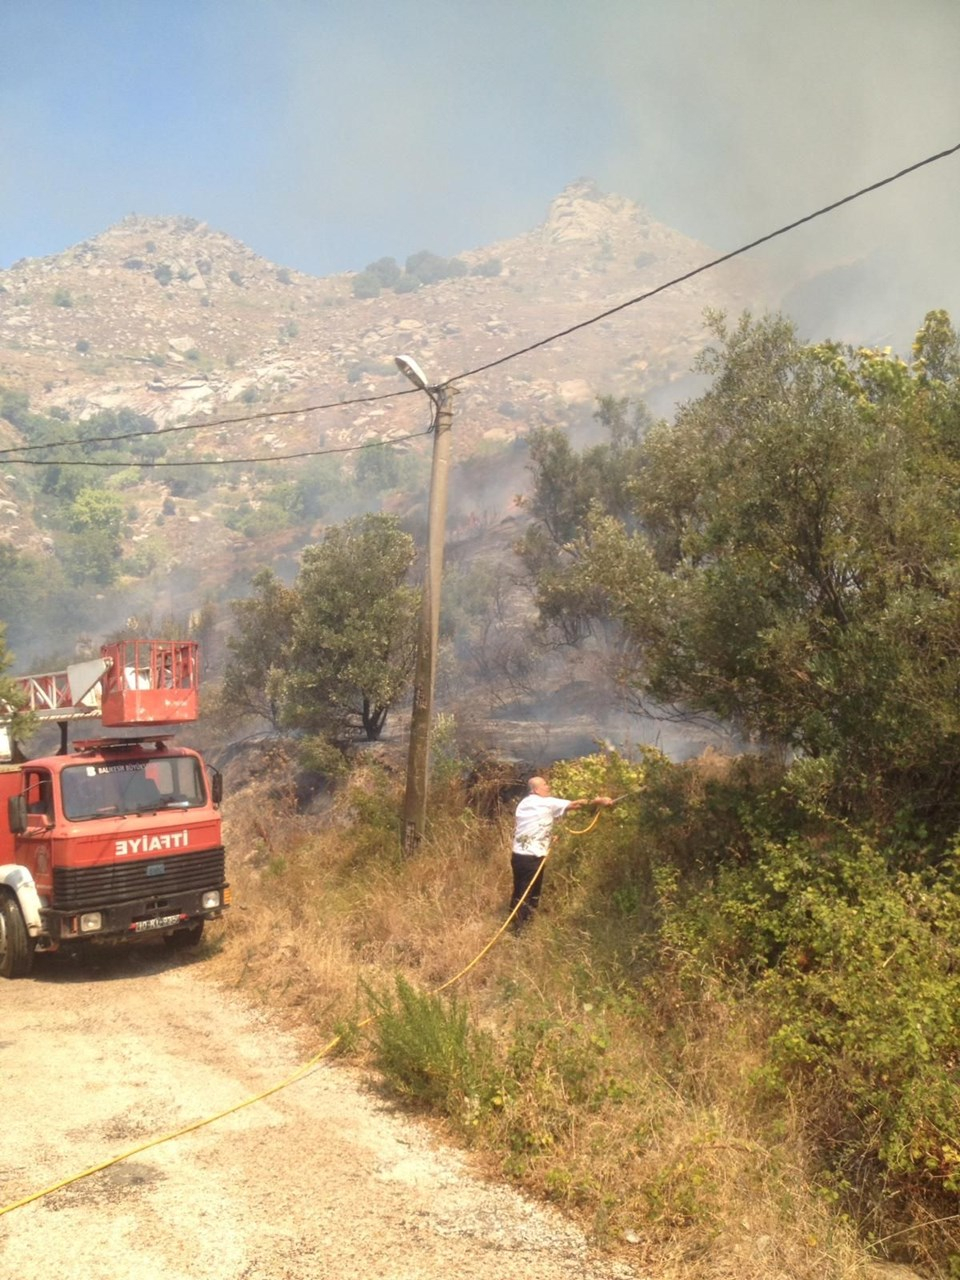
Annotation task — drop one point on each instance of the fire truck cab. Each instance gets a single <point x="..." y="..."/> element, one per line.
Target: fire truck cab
<point x="117" y="838"/>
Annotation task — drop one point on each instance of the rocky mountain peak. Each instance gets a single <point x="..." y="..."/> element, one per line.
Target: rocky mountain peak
<point x="582" y="212"/>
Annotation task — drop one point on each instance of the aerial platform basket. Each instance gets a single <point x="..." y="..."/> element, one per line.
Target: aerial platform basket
<point x="149" y="682"/>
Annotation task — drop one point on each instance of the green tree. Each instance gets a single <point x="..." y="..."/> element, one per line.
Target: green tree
<point x="386" y="270"/>
<point x="15" y="407"/>
<point x="568" y="488"/>
<point x="192" y="481"/>
<point x="430" y="267"/>
<point x="936" y="350"/>
<point x="378" y="470"/>
<point x="95" y="522"/>
<point x="366" y="285"/>
<point x="936" y="361"/>
<point x="489" y="267"/>
<point x="109" y="429"/>
<point x="263" y="626"/>
<point x="792" y="561"/>
<point x="569" y="484"/>
<point x="353" y="645"/>
<point x="280" y="507"/>
<point x="36" y="596"/>
<point x="21" y="578"/>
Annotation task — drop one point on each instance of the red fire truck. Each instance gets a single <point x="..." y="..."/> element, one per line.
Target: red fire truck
<point x="117" y="838"/>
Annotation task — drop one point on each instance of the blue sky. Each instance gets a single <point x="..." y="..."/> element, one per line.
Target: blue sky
<point x="325" y="134"/>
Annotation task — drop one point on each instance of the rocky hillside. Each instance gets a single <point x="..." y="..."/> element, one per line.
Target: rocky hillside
<point x="174" y="319"/>
<point x="180" y="322"/>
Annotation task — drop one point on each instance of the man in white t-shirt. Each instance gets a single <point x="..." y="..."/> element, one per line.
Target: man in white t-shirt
<point x="536" y="814"/>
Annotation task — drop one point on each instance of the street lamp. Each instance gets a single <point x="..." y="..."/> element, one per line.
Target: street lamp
<point x="410" y="369"/>
<point x="418" y="757"/>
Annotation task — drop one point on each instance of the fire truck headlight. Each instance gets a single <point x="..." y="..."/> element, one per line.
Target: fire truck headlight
<point x="210" y="899"/>
<point x="91" y="921"/>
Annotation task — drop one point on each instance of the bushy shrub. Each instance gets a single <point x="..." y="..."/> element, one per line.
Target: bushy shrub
<point x="258" y="522"/>
<point x="431" y="1054"/>
<point x="853" y="960"/>
<point x="366" y="285"/>
<point x="387" y="271"/>
<point x="606" y="773"/>
<point x="190" y="482"/>
<point x="430" y="267"/>
<point x="489" y="267"/>
<point x="142" y="561"/>
<point x="317" y="754"/>
<point x="15" y="406"/>
<point x="862" y="980"/>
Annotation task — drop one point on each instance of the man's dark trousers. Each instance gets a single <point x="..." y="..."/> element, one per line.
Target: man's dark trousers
<point x="525" y="866"/>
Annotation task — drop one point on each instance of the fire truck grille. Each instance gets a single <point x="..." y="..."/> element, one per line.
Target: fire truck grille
<point x="77" y="888"/>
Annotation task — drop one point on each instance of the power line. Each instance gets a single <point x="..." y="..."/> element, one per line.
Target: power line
<point x="215" y="462"/>
<point x="217" y="422"/>
<point x="706" y="266"/>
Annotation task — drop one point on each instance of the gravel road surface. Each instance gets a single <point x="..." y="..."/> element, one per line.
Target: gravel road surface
<point x="323" y="1179"/>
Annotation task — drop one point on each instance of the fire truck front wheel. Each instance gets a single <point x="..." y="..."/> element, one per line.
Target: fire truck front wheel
<point x="188" y="937"/>
<point x="16" y="945"/>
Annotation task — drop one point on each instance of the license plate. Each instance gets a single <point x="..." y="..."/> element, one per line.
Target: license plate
<point x="161" y="922"/>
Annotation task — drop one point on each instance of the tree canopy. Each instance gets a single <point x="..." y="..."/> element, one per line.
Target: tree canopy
<point x="785" y="554"/>
<point x="334" y="652"/>
<point x="262" y="628"/>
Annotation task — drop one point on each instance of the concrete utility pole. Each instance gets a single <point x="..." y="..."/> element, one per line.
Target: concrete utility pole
<point x="418" y="759"/>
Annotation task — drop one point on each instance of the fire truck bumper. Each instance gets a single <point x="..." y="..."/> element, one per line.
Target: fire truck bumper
<point x="126" y="920"/>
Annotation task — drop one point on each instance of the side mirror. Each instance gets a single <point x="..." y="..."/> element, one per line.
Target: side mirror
<point x="216" y="785"/>
<point x="17" y="814"/>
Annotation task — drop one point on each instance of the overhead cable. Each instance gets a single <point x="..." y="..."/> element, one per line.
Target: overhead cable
<point x="215" y="462"/>
<point x="208" y="423"/>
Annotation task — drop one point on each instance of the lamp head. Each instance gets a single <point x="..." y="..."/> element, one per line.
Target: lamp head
<point x="410" y="369"/>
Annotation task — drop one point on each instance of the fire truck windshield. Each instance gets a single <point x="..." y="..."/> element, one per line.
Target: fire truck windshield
<point x="97" y="790"/>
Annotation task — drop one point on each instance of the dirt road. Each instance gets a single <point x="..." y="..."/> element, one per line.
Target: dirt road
<point x="322" y="1180"/>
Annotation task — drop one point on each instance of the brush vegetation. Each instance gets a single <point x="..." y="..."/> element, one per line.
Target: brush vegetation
<point x="727" y="1044"/>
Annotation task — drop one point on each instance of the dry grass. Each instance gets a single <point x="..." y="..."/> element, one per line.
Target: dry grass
<point x="638" y="1114"/>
